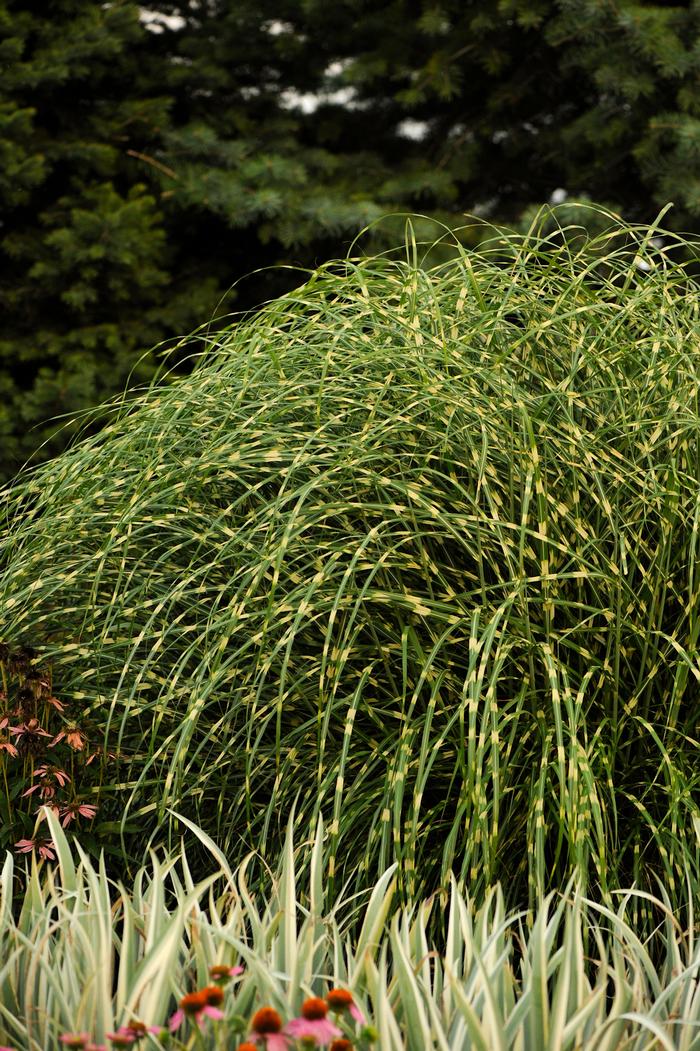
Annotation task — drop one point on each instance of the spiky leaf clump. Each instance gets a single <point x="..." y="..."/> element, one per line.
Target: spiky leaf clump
<point x="418" y="545"/>
<point x="576" y="975"/>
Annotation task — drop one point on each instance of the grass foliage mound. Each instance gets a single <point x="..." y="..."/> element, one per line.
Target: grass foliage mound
<point x="417" y="545"/>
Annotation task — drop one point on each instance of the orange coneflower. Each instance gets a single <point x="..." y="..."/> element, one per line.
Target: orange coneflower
<point x="341" y="1000"/>
<point x="222" y="973"/>
<point x="267" y="1026"/>
<point x="214" y="995"/>
<point x="266" y="1020"/>
<point x="199" y="1005"/>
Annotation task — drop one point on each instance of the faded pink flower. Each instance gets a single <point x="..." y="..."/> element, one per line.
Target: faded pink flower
<point x="96" y="754"/>
<point x="73" y="810"/>
<point x="6" y="746"/>
<point x="74" y="737"/>
<point x="30" y="729"/>
<point x="47" y="791"/>
<point x="53" y="807"/>
<point x="45" y="851"/>
<point x="54" y="772"/>
<point x="49" y="777"/>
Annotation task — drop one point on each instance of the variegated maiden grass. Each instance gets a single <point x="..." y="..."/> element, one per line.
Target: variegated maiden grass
<point x="86" y="954"/>
<point x="417" y="544"/>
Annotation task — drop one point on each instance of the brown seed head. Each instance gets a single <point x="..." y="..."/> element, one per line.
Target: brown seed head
<point x="341" y="1044"/>
<point x="314" y="1008"/>
<point x="191" y="1003"/>
<point x="338" y="999"/>
<point x="214" y="995"/>
<point x="219" y="970"/>
<point x="266" y="1020"/>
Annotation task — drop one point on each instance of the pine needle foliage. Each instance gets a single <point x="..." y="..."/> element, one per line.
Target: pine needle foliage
<point x="414" y="545"/>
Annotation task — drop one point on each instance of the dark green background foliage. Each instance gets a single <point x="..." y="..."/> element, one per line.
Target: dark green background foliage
<point x="144" y="170"/>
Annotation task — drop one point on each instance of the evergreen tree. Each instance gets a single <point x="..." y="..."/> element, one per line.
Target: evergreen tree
<point x="86" y="282"/>
<point x="513" y="98"/>
<point x="151" y="158"/>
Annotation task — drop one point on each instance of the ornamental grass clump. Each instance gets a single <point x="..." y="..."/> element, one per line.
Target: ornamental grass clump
<point x="416" y="545"/>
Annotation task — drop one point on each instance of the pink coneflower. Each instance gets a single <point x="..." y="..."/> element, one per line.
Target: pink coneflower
<point x="136" y="1029"/>
<point x="221" y="973"/>
<point x="126" y="1035"/>
<point x="200" y="1005"/>
<point x="267" y="1026"/>
<point x="341" y="1000"/>
<point x="313" y="1022"/>
<point x="75" y="1039"/>
<point x="7" y="746"/>
<point x="45" y="851"/>
<point x="121" y="1038"/>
